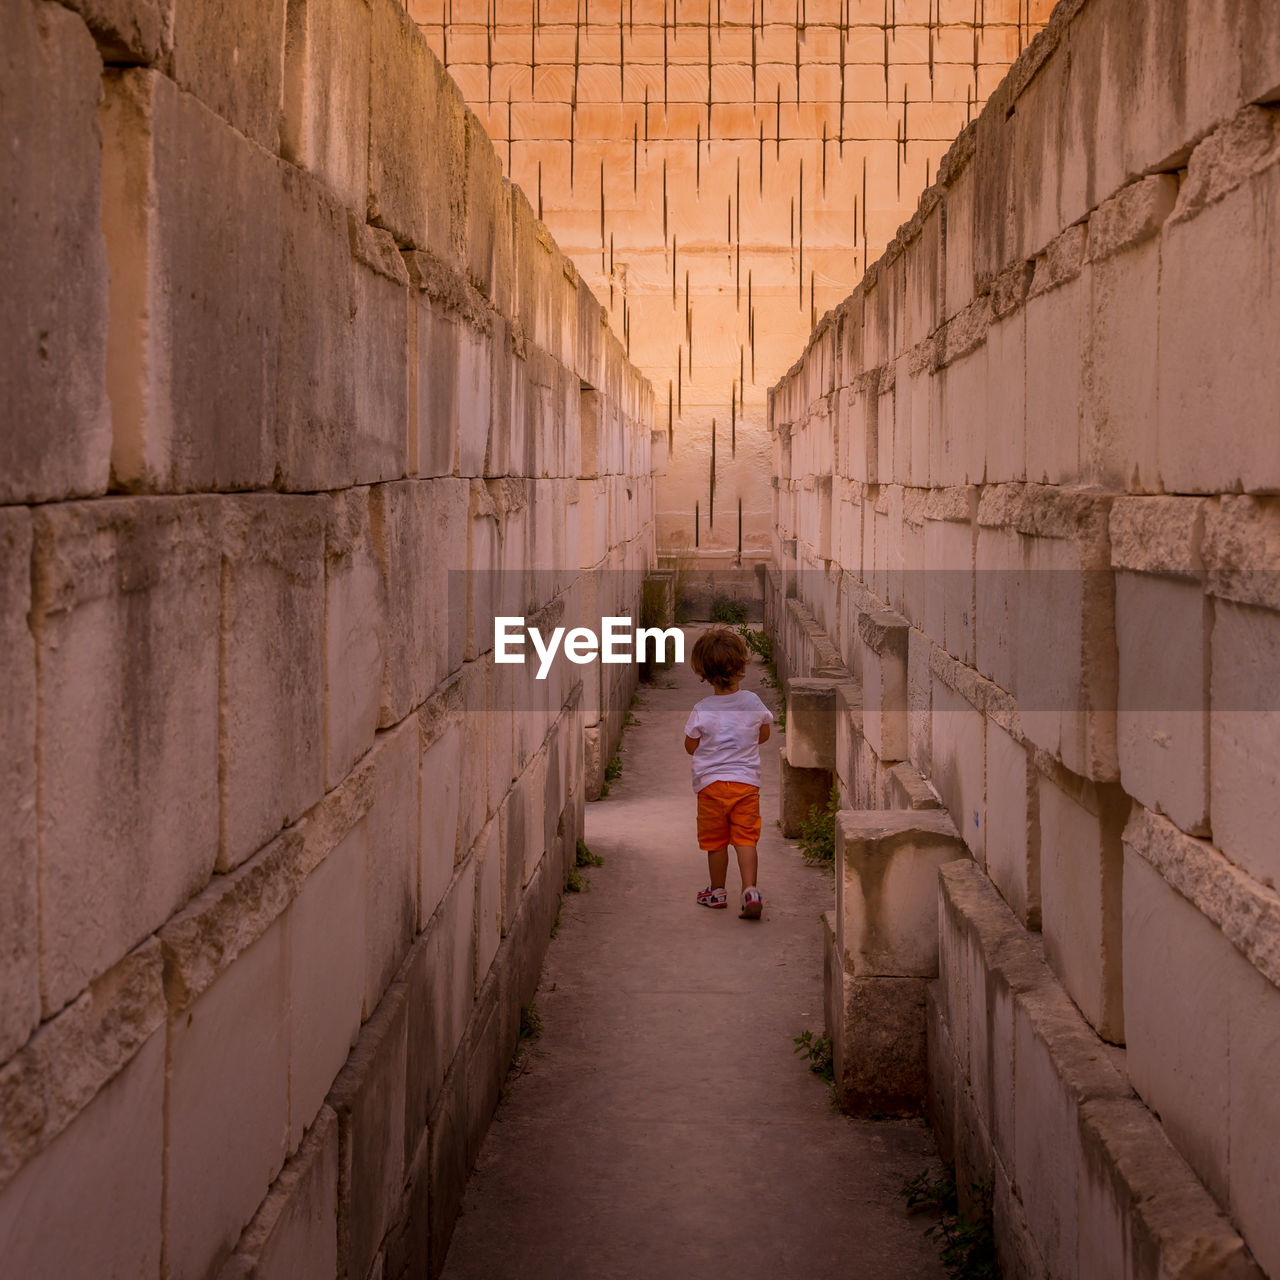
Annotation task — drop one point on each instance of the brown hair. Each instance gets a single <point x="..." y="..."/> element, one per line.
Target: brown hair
<point x="719" y="657"/>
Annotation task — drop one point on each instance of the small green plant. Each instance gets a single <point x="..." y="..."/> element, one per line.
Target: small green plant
<point x="530" y="1022"/>
<point x="817" y="1049"/>
<point x="818" y="832"/>
<point x="575" y="881"/>
<point x="760" y="643"/>
<point x="585" y="858"/>
<point x="613" y="770"/>
<point x="966" y="1243"/>
<point x="729" y="611"/>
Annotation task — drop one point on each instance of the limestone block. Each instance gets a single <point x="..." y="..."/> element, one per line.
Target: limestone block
<point x="473" y="781"/>
<point x="440" y="976"/>
<point x="272" y="746"/>
<point x="848" y="732"/>
<point x="1081" y="873"/>
<point x="488" y="211"/>
<point x="950" y="584"/>
<point x="883" y="643"/>
<point x="420" y="530"/>
<point x="391" y="872"/>
<point x="245" y="89"/>
<point x="440" y="785"/>
<point x="485" y="1059"/>
<point x="1056" y="336"/>
<point x="1215" y="312"/>
<point x="70" y="1203"/>
<point x="958" y="765"/>
<point x="811" y="724"/>
<point x="1013" y="831"/>
<point x="125" y="608"/>
<point x="447" y="1135"/>
<point x="1244" y="747"/>
<point x="919" y="701"/>
<point x="354" y="611"/>
<point x="129" y="31"/>
<point x="1175" y="959"/>
<point x="326" y="976"/>
<point x="959" y="419"/>
<point x="193" y="222"/>
<point x="1142" y="1208"/>
<point x="479" y="362"/>
<point x="369" y="1098"/>
<point x="19" y="902"/>
<point x="907" y="789"/>
<point x="434" y="337"/>
<point x="227" y="1106"/>
<point x="417" y="140"/>
<point x="887" y="889"/>
<point x="1006" y="388"/>
<point x="800" y="790"/>
<point x="295" y="1232"/>
<point x="325" y="125"/>
<point x="488" y="859"/>
<point x="57" y="442"/>
<point x="1162" y="722"/>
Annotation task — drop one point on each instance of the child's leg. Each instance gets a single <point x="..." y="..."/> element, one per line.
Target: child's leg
<point x="718" y="865"/>
<point x="748" y="864"/>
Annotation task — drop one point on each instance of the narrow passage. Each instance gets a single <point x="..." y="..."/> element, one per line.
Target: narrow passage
<point x="661" y="1125"/>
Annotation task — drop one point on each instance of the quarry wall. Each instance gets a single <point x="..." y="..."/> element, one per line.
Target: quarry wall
<point x="1025" y="495"/>
<point x="295" y="382"/>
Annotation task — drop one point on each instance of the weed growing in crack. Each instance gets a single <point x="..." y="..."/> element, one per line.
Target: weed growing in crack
<point x="817" y="1051"/>
<point x="818" y="832"/>
<point x="966" y="1242"/>
<point x="585" y="858"/>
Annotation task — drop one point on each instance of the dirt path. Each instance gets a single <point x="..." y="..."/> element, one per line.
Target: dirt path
<point x="661" y="1125"/>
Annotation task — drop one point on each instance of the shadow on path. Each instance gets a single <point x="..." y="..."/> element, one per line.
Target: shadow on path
<point x="661" y="1125"/>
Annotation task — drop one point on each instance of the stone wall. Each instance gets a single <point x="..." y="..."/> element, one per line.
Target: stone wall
<point x="723" y="173"/>
<point x="287" y="367"/>
<point x="1024" y="481"/>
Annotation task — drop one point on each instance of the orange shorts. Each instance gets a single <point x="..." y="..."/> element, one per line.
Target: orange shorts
<point x="728" y="813"/>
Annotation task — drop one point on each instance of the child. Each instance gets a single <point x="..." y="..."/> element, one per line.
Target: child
<point x="723" y="735"/>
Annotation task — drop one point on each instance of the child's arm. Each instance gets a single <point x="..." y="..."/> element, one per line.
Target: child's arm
<point x="691" y="744"/>
<point x="764" y="734"/>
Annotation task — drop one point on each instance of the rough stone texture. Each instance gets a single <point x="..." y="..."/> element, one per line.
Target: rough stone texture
<point x="57" y="440"/>
<point x="811" y="724"/>
<point x="129" y="30"/>
<point x="19" y="902"/>
<point x="1013" y="824"/>
<point x="227" y="1107"/>
<point x="70" y="1204"/>
<point x="883" y="638"/>
<point x="272" y="741"/>
<point x="801" y="790"/>
<point x="125" y="610"/>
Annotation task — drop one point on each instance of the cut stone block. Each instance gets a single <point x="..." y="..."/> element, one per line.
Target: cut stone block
<point x="887" y="889"/>
<point x="246" y="89"/>
<point x="883" y="639"/>
<point x="488" y="856"/>
<point x="908" y="790"/>
<point x="1244" y="737"/>
<point x="272" y="745"/>
<point x="129" y="30"/>
<point x="326" y="976"/>
<point x="192" y="218"/>
<point x="227" y="1106"/>
<point x="958" y="764"/>
<point x="1081" y="875"/>
<point x="369" y="1098"/>
<point x="391" y="872"/>
<point x="1162" y="722"/>
<point x="325" y="128"/>
<point x="800" y="791"/>
<point x="295" y="1232"/>
<point x="437" y="847"/>
<point x="125" y="598"/>
<point x="1013" y="824"/>
<point x="811" y="724"/>
<point x="417" y="141"/>
<point x="70" y="1203"/>
<point x="57" y="439"/>
<point x="19" y="901"/>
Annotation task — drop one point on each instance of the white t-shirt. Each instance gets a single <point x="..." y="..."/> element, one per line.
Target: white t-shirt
<point x="728" y="727"/>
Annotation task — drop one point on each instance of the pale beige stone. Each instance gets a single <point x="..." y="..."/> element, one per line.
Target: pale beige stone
<point x="1081" y="875"/>
<point x="441" y="781"/>
<point x="487" y="855"/>
<point x="354" y="612"/>
<point x="958" y="764"/>
<point x="129" y="30"/>
<point x="231" y="57"/>
<point x="71" y="1205"/>
<point x="57" y="440"/>
<point x="19" y="903"/>
<point x="883" y="642"/>
<point x="393" y="828"/>
<point x="811" y="724"/>
<point x="227" y="1107"/>
<point x="325" y="125"/>
<point x="1013" y="829"/>
<point x="272" y="745"/>
<point x="125" y="608"/>
<point x="327" y="931"/>
<point x="295" y="1232"/>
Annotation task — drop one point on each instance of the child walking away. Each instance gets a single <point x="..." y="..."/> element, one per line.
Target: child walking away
<point x="723" y="735"/>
